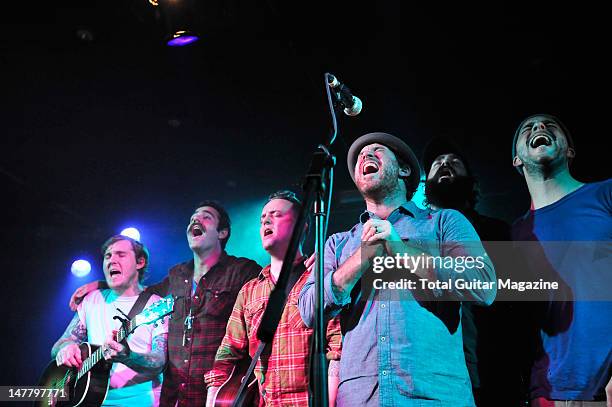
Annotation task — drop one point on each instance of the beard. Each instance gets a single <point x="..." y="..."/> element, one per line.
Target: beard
<point x="545" y="167"/>
<point x="455" y="193"/>
<point x="384" y="187"/>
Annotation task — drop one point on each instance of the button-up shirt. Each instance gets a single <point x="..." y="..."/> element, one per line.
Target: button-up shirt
<point x="408" y="352"/>
<point x="198" y="324"/>
<point x="282" y="370"/>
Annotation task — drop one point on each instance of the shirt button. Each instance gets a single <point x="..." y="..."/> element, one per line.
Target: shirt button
<point x="382" y="338"/>
<point x="186" y="281"/>
<point x="383" y="305"/>
<point x="384" y="372"/>
<point x="186" y="360"/>
<point x="196" y="297"/>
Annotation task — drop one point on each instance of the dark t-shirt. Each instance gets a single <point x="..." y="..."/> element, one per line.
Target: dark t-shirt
<point x="493" y="340"/>
<point x="575" y="352"/>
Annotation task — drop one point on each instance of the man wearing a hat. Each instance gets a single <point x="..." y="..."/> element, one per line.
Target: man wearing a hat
<point x="398" y="350"/>
<point x="493" y="344"/>
<point x="573" y="359"/>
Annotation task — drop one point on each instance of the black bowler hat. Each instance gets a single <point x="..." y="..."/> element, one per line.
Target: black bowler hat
<point x="441" y="145"/>
<point x="398" y="146"/>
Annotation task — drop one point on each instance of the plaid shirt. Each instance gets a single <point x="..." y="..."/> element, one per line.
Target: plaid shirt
<point x="285" y="382"/>
<point x="191" y="352"/>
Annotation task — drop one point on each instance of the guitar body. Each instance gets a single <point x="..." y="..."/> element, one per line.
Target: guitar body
<point x="228" y="391"/>
<point x="89" y="391"/>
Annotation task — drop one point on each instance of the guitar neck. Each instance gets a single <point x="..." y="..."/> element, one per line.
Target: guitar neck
<point x="98" y="355"/>
<point x="122" y="334"/>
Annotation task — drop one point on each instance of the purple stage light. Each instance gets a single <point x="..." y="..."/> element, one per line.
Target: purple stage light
<point x="80" y="268"/>
<point x="182" y="38"/>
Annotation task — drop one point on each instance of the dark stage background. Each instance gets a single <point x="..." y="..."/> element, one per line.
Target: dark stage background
<point x="118" y="130"/>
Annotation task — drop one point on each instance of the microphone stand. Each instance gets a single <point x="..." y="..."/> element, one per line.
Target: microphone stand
<point x="317" y="189"/>
<point x="318" y="386"/>
<point x="314" y="192"/>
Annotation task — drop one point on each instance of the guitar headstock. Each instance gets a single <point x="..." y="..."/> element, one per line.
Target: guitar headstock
<point x="154" y="312"/>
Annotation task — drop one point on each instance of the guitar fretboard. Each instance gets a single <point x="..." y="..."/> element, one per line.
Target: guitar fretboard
<point x="99" y="353"/>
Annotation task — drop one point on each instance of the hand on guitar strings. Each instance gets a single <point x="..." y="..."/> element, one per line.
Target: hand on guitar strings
<point x="113" y="349"/>
<point x="69" y="355"/>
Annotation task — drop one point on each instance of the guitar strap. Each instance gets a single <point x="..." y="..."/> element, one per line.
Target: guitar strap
<point x="296" y="273"/>
<point x="245" y="381"/>
<point x="138" y="306"/>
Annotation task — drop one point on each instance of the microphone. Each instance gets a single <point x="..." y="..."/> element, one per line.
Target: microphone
<point x="352" y="104"/>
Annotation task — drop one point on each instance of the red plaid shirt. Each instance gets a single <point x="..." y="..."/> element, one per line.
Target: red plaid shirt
<point x="191" y="352"/>
<point x="285" y="363"/>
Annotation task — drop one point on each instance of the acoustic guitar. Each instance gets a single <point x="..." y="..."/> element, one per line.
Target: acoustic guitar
<point x="228" y="391"/>
<point x="87" y="386"/>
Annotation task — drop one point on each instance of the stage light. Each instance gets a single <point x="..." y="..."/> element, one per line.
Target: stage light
<point x="245" y="218"/>
<point x="179" y="20"/>
<point x="181" y="38"/>
<point x="131" y="232"/>
<point x="80" y="268"/>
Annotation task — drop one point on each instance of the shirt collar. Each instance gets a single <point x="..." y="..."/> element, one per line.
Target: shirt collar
<point x="265" y="272"/>
<point x="408" y="208"/>
<point x="188" y="270"/>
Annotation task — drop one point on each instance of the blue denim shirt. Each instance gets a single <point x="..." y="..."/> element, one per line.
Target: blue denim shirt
<point x="410" y="351"/>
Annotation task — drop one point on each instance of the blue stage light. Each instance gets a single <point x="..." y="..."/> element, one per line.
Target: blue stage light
<point x="180" y="20"/>
<point x="181" y="38"/>
<point x="80" y="268"/>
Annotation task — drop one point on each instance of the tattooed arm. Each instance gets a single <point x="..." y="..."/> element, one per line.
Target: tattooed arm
<point x="152" y="362"/>
<point x="66" y="350"/>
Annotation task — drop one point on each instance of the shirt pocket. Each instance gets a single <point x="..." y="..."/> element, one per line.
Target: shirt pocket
<point x="420" y="242"/>
<point x="252" y="316"/>
<point x="218" y="303"/>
